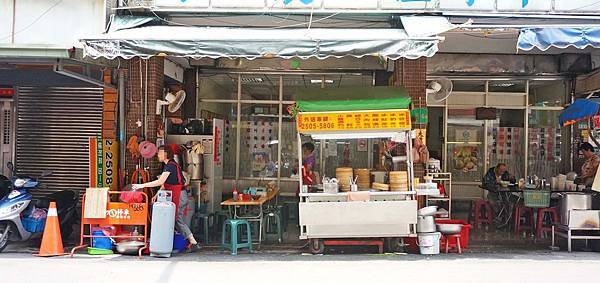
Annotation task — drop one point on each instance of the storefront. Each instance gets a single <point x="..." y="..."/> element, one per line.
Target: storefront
<point x="491" y="120"/>
<point x="254" y="137"/>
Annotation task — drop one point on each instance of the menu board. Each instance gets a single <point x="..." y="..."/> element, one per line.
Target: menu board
<point x="348" y="121"/>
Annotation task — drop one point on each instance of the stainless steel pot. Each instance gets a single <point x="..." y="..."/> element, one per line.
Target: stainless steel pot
<point x="425" y="224"/>
<point x="196" y="165"/>
<point x="572" y="201"/>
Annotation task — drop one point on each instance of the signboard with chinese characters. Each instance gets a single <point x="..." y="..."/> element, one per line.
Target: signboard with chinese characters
<point x="120" y="213"/>
<point x="418" y="6"/>
<point x="104" y="159"/>
<point x="385" y="120"/>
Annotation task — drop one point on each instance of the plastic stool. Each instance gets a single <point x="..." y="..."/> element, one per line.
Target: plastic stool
<point x="272" y="222"/>
<point x="457" y="239"/>
<point x="203" y="221"/>
<point x="528" y="224"/>
<point x="283" y="215"/>
<point x="234" y="243"/>
<point x="540" y="227"/>
<point x="219" y="217"/>
<point x="483" y="213"/>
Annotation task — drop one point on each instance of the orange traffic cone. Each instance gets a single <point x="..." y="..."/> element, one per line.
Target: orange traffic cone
<point x="51" y="240"/>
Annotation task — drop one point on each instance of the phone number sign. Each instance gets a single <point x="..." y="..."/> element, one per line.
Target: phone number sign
<point x="348" y="121"/>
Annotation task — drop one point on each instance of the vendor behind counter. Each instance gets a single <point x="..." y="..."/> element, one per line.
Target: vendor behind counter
<point x="590" y="165"/>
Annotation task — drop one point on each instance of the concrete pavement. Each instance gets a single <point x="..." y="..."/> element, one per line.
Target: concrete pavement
<point x="213" y="266"/>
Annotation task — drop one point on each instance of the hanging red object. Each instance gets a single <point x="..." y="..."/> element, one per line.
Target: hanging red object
<point x="7" y="92"/>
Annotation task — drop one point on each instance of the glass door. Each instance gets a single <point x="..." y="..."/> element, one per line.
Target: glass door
<point x="465" y="146"/>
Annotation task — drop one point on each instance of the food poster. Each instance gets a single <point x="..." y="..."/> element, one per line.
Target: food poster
<point x="505" y="143"/>
<point x="259" y="160"/>
<point x="260" y="134"/>
<point x="466" y="158"/>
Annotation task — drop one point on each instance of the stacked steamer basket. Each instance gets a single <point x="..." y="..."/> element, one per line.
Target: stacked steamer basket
<point x="398" y="181"/>
<point x="363" y="178"/>
<point x="344" y="174"/>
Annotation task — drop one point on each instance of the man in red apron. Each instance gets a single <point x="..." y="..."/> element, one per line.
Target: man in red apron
<point x="172" y="179"/>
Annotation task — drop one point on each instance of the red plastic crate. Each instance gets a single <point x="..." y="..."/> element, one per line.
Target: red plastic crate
<point x="464" y="234"/>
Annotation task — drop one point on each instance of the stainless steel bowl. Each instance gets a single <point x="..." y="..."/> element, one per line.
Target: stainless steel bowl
<point x="129" y="247"/>
<point x="449" y="229"/>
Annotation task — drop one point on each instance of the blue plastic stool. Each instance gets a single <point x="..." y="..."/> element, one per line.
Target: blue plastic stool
<point x="273" y="225"/>
<point x="234" y="241"/>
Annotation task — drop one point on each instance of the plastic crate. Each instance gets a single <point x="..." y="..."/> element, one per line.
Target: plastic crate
<point x="536" y="198"/>
<point x="464" y="233"/>
<point x="34" y="225"/>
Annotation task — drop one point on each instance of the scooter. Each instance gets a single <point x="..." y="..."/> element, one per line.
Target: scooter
<point x="19" y="201"/>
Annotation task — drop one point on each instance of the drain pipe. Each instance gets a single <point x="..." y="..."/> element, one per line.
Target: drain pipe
<point x="122" y="128"/>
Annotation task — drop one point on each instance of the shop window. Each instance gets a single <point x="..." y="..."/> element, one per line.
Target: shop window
<point x="259" y="140"/>
<point x="289" y="147"/>
<point x="293" y="83"/>
<point x="227" y="112"/>
<point x="546" y="147"/>
<point x="506" y="141"/>
<point x="547" y="93"/>
<point x="260" y="87"/>
<point x="217" y="86"/>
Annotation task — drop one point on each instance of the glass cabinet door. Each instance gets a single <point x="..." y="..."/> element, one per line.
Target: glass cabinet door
<point x="465" y="146"/>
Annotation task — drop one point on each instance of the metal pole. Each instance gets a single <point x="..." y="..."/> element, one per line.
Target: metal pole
<point x="526" y="127"/>
<point x="279" y="144"/>
<point x="238" y="130"/>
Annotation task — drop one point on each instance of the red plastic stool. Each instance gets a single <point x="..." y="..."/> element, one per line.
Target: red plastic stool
<point x="482" y="213"/>
<point x="528" y="224"/>
<point x="540" y="225"/>
<point x="457" y="239"/>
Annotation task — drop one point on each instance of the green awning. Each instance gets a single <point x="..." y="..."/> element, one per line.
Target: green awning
<point x="352" y="99"/>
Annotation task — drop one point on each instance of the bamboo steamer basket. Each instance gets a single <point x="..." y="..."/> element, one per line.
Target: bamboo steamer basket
<point x="343" y="175"/>
<point x="363" y="178"/>
<point x="381" y="187"/>
<point x="399" y="181"/>
<point x="399" y="188"/>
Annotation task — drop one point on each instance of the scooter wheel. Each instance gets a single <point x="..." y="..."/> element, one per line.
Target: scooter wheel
<point x="4" y="235"/>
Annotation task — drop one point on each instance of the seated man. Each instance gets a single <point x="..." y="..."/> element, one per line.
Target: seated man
<point x="494" y="175"/>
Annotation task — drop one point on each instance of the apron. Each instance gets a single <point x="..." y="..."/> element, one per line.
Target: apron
<point x="306" y="180"/>
<point x="176" y="190"/>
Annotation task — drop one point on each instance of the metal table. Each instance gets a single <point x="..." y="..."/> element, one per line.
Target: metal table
<point x="234" y="206"/>
<point x="566" y="232"/>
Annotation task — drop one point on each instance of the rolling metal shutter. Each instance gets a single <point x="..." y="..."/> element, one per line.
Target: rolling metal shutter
<point x="53" y="127"/>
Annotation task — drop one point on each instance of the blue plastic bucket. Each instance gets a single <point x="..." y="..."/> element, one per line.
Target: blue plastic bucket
<point x="99" y="242"/>
<point x="179" y="242"/>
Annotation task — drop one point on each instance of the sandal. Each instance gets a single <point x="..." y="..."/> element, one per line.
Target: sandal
<point x="190" y="248"/>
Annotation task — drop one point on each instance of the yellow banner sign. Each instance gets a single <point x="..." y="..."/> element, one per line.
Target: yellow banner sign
<point x="347" y="121"/>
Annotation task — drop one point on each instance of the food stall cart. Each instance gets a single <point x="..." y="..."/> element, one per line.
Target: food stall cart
<point x="337" y="218"/>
